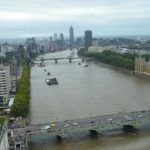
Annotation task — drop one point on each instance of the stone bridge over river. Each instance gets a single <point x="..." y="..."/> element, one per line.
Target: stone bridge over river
<point x="129" y="122"/>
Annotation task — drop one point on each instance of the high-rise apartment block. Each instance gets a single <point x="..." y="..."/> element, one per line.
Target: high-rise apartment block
<point x="88" y="39"/>
<point x="71" y="31"/>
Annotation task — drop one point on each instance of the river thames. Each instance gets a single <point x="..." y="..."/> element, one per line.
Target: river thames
<point x="98" y="89"/>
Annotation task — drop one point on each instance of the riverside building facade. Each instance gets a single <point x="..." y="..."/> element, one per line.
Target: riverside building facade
<point x="4" y="85"/>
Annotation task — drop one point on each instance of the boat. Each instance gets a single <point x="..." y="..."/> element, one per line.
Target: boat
<point x="47" y="80"/>
<point x="52" y="81"/>
<point x="79" y="63"/>
<point x="48" y="73"/>
<point x="85" y="65"/>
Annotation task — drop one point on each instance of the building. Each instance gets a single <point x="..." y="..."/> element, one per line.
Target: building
<point x="55" y="37"/>
<point x="95" y="42"/>
<point x="15" y="70"/>
<point x="4" y="85"/>
<point x="100" y="49"/>
<point x="88" y="39"/>
<point x="31" y="46"/>
<point x="79" y="42"/>
<point x="142" y="66"/>
<point x="61" y="37"/>
<point x="8" y="49"/>
<point x="71" y="32"/>
<point x="3" y="49"/>
<point x="51" y="39"/>
<point x="3" y="134"/>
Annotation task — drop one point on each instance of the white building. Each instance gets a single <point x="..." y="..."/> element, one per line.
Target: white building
<point x="95" y="42"/>
<point x="4" y="48"/>
<point x="3" y="137"/>
<point x="4" y="84"/>
<point x="99" y="49"/>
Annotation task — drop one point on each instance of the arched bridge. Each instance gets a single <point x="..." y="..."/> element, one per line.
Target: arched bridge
<point x="62" y="58"/>
<point x="128" y="121"/>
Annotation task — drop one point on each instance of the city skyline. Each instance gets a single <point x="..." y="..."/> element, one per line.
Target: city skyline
<point x="43" y="18"/>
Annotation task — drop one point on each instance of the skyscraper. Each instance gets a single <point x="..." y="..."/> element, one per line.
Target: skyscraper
<point x="61" y="37"/>
<point x="55" y="37"/>
<point x="71" y="37"/>
<point x="51" y="39"/>
<point x="31" y="45"/>
<point x="88" y="39"/>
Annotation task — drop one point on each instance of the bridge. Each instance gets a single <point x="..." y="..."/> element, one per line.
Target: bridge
<point x="128" y="122"/>
<point x="62" y="58"/>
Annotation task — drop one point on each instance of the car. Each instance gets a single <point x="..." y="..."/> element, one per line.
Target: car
<point x="139" y="116"/>
<point x="45" y="128"/>
<point x="66" y="125"/>
<point x="91" y="121"/>
<point x="128" y="118"/>
<point x="74" y="124"/>
<point x="28" y="130"/>
<point x="109" y="119"/>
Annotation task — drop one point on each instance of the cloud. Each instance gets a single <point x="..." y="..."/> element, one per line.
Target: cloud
<point x="26" y="15"/>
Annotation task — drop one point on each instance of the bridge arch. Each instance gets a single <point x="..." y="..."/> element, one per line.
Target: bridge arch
<point x="129" y="128"/>
<point x="94" y="133"/>
<point x="59" y="138"/>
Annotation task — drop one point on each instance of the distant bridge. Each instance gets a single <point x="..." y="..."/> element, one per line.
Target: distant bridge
<point x="129" y="122"/>
<point x="62" y="58"/>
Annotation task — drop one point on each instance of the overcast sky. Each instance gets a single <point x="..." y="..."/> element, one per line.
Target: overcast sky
<point x="24" y="18"/>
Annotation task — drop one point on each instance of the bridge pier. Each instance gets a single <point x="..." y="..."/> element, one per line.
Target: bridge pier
<point x="70" y="60"/>
<point x="59" y="139"/>
<point x="42" y="60"/>
<point x="56" y="61"/>
<point x="130" y="129"/>
<point x="82" y="59"/>
<point x="19" y="143"/>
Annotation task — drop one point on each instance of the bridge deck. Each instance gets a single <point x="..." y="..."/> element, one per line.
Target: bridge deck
<point x="58" y="58"/>
<point x="61" y="58"/>
<point x="91" y="123"/>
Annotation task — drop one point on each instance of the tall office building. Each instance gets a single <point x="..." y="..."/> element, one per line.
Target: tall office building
<point x="4" y="84"/>
<point x="31" y="45"/>
<point x="51" y="39"/>
<point x="61" y="37"/>
<point x="88" y="39"/>
<point x="71" y="37"/>
<point x="55" y="37"/>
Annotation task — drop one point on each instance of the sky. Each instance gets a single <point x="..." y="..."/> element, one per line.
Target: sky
<point x="27" y="18"/>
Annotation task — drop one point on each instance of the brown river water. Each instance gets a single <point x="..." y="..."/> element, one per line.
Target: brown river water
<point x="95" y="90"/>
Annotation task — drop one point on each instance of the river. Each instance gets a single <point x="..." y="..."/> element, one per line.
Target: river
<point x="84" y="92"/>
